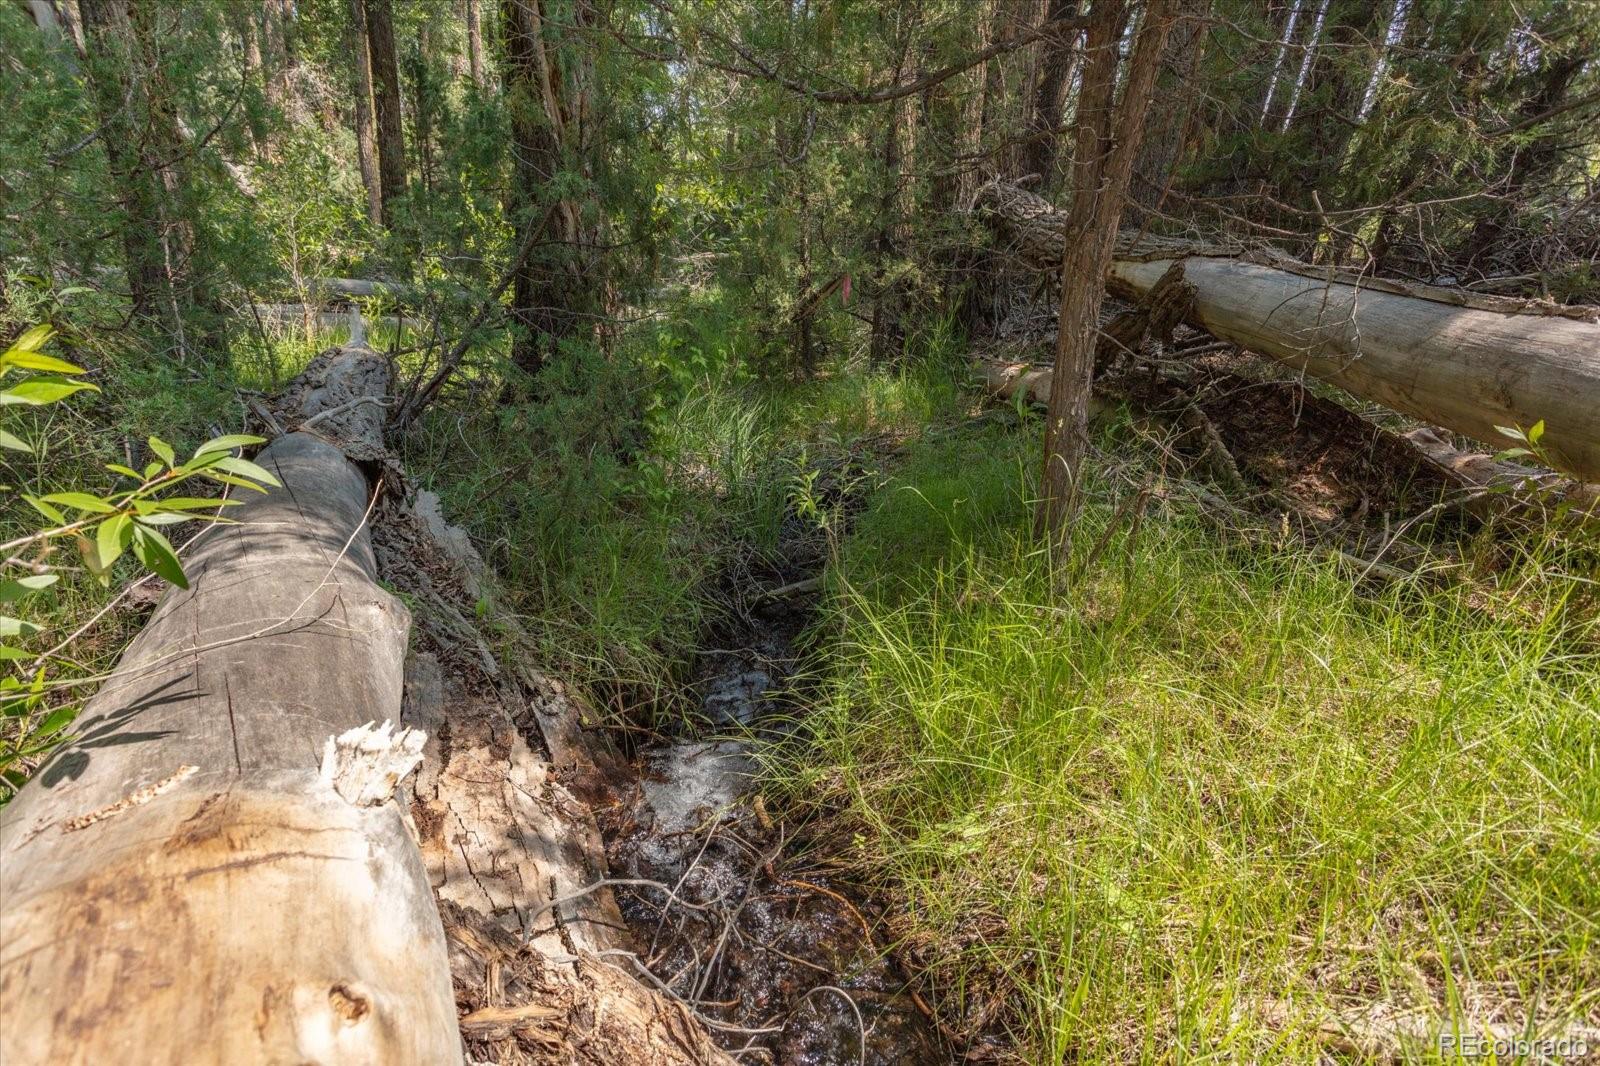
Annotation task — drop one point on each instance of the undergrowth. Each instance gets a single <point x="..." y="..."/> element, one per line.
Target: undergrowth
<point x="1209" y="798"/>
<point x="610" y="492"/>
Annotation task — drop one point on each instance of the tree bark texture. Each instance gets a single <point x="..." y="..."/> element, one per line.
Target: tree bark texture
<point x="113" y="57"/>
<point x="361" y="114"/>
<point x="386" y="98"/>
<point x="184" y="881"/>
<point x="1106" y="144"/>
<point x="556" y="291"/>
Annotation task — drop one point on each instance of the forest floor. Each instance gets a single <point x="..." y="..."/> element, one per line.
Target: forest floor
<point x="1208" y="790"/>
<point x="1220" y="791"/>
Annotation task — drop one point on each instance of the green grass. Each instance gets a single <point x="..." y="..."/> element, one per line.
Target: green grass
<point x="608" y="514"/>
<point x="1209" y="797"/>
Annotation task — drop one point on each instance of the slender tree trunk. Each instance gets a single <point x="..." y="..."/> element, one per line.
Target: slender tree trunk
<point x="282" y="59"/>
<point x="887" y="338"/>
<point x="1311" y="20"/>
<point x="475" y="45"/>
<point x="556" y="293"/>
<point x="1282" y="16"/>
<point x="386" y="96"/>
<point x="1061" y="56"/>
<point x="1106" y="144"/>
<point x="366" y="143"/>
<point x="422" y="86"/>
<point x="1167" y="134"/>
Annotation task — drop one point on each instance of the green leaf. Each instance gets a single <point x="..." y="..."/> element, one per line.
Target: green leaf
<point x="34" y="361"/>
<point x="45" y="509"/>
<point x="1536" y="431"/>
<point x="156" y="553"/>
<point x="245" y="468"/>
<point x="34" y="339"/>
<point x="227" y="443"/>
<point x="19" y="587"/>
<point x="8" y="654"/>
<point x="164" y="450"/>
<point x="38" y="391"/>
<point x="229" y="479"/>
<point x="15" y="627"/>
<point x="56" y="721"/>
<point x="112" y="539"/>
<point x="151" y="471"/>
<point x="1511" y="431"/>
<point x="14" y="442"/>
<point x="126" y="471"/>
<point x="193" y="503"/>
<point x="159" y="519"/>
<point x="82" y="501"/>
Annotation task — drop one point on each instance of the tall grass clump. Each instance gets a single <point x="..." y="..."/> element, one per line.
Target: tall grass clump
<point x="1210" y="800"/>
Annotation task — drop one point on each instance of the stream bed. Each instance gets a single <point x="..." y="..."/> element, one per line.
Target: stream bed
<point x="786" y="962"/>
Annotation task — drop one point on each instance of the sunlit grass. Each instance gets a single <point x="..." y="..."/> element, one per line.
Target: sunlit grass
<point x="1210" y="797"/>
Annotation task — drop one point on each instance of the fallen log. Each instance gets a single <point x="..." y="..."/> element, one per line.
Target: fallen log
<point x="210" y="870"/>
<point x="1326" y="438"/>
<point x="398" y="292"/>
<point x="300" y="316"/>
<point x="1467" y="362"/>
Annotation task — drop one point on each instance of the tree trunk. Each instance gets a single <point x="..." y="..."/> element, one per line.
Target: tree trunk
<point x="422" y="113"/>
<point x="1102" y="165"/>
<point x="1467" y="362"/>
<point x="142" y="143"/>
<point x="1061" y="58"/>
<point x="1469" y="369"/>
<point x="277" y="911"/>
<point x="555" y="294"/>
<point x="887" y="337"/>
<point x="386" y="95"/>
<point x="283" y="59"/>
<point x="475" y="45"/>
<point x="366" y="143"/>
<point x="109" y="35"/>
<point x="1169" y="129"/>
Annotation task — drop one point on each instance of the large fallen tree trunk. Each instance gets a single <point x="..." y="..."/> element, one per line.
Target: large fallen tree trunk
<point x="202" y="875"/>
<point x="1469" y="363"/>
<point x="212" y="870"/>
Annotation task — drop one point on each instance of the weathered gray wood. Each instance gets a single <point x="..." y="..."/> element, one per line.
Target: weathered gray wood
<point x="397" y="292"/>
<point x="213" y="871"/>
<point x="1468" y="363"/>
<point x="1460" y="367"/>
<point x="179" y="883"/>
<point x="295" y="316"/>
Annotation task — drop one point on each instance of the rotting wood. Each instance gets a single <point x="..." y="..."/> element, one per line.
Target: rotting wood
<point x="1468" y="362"/>
<point x="180" y="882"/>
<point x="223" y="816"/>
<point x="507" y="836"/>
<point x="1481" y="485"/>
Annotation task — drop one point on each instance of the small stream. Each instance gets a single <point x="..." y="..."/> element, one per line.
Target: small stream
<point x="786" y="963"/>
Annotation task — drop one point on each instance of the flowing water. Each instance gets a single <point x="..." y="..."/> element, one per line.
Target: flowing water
<point x="787" y="963"/>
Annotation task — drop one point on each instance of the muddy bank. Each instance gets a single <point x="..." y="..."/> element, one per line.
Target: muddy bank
<point x="785" y="961"/>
